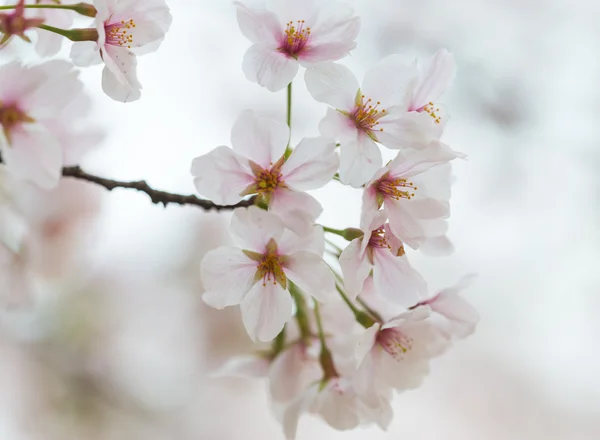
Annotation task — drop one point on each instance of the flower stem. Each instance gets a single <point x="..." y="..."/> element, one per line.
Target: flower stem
<point x="288" y="149"/>
<point x="301" y="311"/>
<point x="90" y="34"/>
<point x="325" y="358"/>
<point x="361" y="317"/>
<point x="339" y="232"/>
<point x="81" y="8"/>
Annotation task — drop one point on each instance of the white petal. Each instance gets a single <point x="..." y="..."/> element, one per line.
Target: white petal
<point x="227" y="276"/>
<point x="265" y="65"/>
<point x="403" y="224"/>
<point x="56" y="93"/>
<point x="258" y="25"/>
<point x="85" y="53"/>
<point x="312" y="241"/>
<point x="355" y="268"/>
<point x="409" y="165"/>
<point x="396" y="279"/>
<point x="437" y="246"/>
<point x="337" y="126"/>
<point x="391" y="81"/>
<point x="337" y="405"/>
<point x="244" y="367"/>
<point x="402" y="129"/>
<point x="252" y="228"/>
<point x="262" y="140"/>
<point x="221" y="175"/>
<point x="311" y="165"/>
<point x="292" y="371"/>
<point x="437" y="74"/>
<point x="295" y="409"/>
<point x="359" y="160"/>
<point x="332" y="84"/>
<point x="312" y="275"/>
<point x="34" y="155"/>
<point x="119" y="77"/>
<point x="366" y="343"/>
<point x="298" y="210"/>
<point x="265" y="310"/>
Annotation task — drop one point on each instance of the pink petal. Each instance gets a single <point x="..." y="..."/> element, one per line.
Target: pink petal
<point x="262" y="140"/>
<point x="437" y="74"/>
<point x="355" y="268"/>
<point x="406" y="129"/>
<point x="258" y="25"/>
<point x="403" y="224"/>
<point x="265" y="65"/>
<point x="366" y="343"/>
<point x="292" y="372"/>
<point x="408" y="165"/>
<point x="311" y="165"/>
<point x="396" y="279"/>
<point x="337" y="405"/>
<point x="221" y="175"/>
<point x="227" y="275"/>
<point x="391" y="81"/>
<point x="337" y="126"/>
<point x="312" y="241"/>
<point x="359" y="161"/>
<point x="34" y="155"/>
<point x="298" y="210"/>
<point x="332" y="84"/>
<point x="85" y="53"/>
<point x="252" y="228"/>
<point x="312" y="275"/>
<point x="265" y="310"/>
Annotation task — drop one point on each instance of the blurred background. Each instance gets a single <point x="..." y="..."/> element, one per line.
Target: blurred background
<point x="119" y="345"/>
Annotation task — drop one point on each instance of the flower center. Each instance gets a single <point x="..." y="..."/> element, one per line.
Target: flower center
<point x="378" y="239"/>
<point x="268" y="180"/>
<point x="296" y="37"/>
<point x="431" y="110"/>
<point x="120" y="34"/>
<point x="396" y="188"/>
<point x="270" y="265"/>
<point x="10" y="117"/>
<point x="395" y="343"/>
<point x="366" y="114"/>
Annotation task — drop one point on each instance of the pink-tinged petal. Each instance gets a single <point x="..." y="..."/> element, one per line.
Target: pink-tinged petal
<point x="395" y="279"/>
<point x="295" y="409"/>
<point x="312" y="275"/>
<point x="221" y="175"/>
<point x="355" y="267"/>
<point x="129" y="90"/>
<point x="337" y="405"/>
<point x="265" y="310"/>
<point x="13" y="228"/>
<point x="244" y="367"/>
<point x="252" y="228"/>
<point x="437" y="75"/>
<point x="262" y="140"/>
<point x="311" y="165"/>
<point x="268" y="67"/>
<point x="370" y="206"/>
<point x="406" y="129"/>
<point x="298" y="210"/>
<point x="49" y="43"/>
<point x="391" y="81"/>
<point x="291" y="372"/>
<point x="429" y="209"/>
<point x="332" y="84"/>
<point x="312" y="241"/>
<point x="286" y="11"/>
<point x="437" y="246"/>
<point x="54" y="95"/>
<point x="259" y="25"/>
<point x="403" y="375"/>
<point x="359" y="160"/>
<point x="407" y="165"/>
<point x="33" y="155"/>
<point x="337" y="126"/>
<point x="403" y="223"/>
<point x="366" y="343"/>
<point x="227" y="275"/>
<point x="85" y="53"/>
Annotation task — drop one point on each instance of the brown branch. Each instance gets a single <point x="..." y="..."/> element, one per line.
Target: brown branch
<point x="157" y="197"/>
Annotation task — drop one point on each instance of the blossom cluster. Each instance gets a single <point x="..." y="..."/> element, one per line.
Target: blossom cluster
<point x="348" y="328"/>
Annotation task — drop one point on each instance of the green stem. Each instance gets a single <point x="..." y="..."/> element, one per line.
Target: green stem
<point x="325" y="357"/>
<point x="89" y="34"/>
<point x="288" y="149"/>
<point x="63" y="32"/>
<point x="301" y="311"/>
<point x="339" y="232"/>
<point x="363" y="319"/>
<point x="38" y="7"/>
<point x="372" y="312"/>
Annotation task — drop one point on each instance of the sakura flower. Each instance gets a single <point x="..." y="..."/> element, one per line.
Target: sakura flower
<point x="33" y="100"/>
<point x="379" y="250"/>
<point x="15" y="23"/>
<point x="126" y="28"/>
<point x="414" y="190"/>
<point x="257" y="165"/>
<point x="288" y="34"/>
<point x="378" y="111"/>
<point x="255" y="274"/>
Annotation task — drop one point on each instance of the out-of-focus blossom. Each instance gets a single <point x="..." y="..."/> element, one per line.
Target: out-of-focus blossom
<point x="49" y="43"/>
<point x="255" y="274"/>
<point x="257" y="165"/>
<point x="288" y="34"/>
<point x="126" y="28"/>
<point x="14" y="23"/>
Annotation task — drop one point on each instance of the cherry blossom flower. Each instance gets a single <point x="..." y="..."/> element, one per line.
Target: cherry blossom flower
<point x="15" y="23"/>
<point x="255" y="274"/>
<point x="126" y="28"/>
<point x="288" y="34"/>
<point x="382" y="252"/>
<point x="33" y="102"/>
<point x="377" y="111"/>
<point x="257" y="165"/>
<point x="414" y="190"/>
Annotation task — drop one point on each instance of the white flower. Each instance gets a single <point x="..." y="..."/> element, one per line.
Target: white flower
<point x="383" y="253"/>
<point x="34" y="103"/>
<point x="292" y="33"/>
<point x="414" y="190"/>
<point x="255" y="274"/>
<point x="256" y="165"/>
<point x="126" y="28"/>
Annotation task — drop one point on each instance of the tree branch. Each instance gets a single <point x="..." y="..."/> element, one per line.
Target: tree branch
<point x="157" y="197"/>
